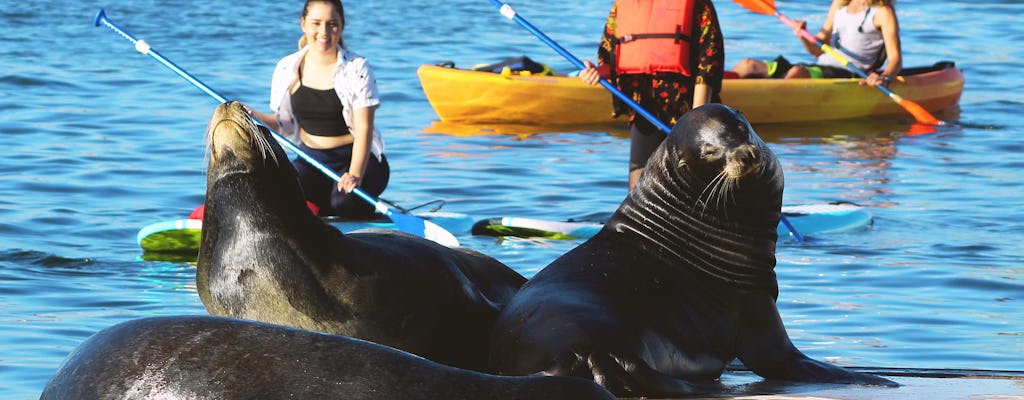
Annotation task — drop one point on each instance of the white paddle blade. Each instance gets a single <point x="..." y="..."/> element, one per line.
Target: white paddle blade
<point x="420" y="227"/>
<point x="438" y="234"/>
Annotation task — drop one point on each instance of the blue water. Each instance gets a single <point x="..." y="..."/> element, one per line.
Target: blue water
<point x="99" y="140"/>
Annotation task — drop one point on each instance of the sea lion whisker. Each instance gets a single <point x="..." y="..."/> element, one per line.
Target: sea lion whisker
<point x="720" y="192"/>
<point x="723" y="196"/>
<point x="729" y="195"/>
<point x="712" y="191"/>
<point x="700" y="200"/>
<point x="260" y="141"/>
<point x="263" y="144"/>
<point x="715" y="198"/>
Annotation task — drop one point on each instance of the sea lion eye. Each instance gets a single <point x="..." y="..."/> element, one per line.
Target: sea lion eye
<point x="709" y="152"/>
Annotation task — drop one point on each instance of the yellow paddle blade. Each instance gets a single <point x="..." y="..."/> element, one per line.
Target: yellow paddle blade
<point x="759" y="6"/>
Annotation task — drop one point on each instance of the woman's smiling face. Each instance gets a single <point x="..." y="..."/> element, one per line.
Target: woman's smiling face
<point x="322" y="26"/>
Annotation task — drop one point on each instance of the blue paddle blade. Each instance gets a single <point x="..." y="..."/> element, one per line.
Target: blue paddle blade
<point x="420" y="227"/>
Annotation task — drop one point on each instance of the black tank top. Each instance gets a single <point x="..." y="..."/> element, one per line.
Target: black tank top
<point x="318" y="111"/>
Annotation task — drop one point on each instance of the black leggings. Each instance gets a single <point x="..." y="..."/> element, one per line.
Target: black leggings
<point x="323" y="191"/>
<point x="644" y="139"/>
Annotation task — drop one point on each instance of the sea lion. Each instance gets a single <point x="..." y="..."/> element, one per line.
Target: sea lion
<point x="678" y="283"/>
<point x="193" y="357"/>
<point x="264" y="256"/>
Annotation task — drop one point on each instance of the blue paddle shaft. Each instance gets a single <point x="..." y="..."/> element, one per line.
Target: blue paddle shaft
<point x="143" y="47"/>
<point x="508" y="12"/>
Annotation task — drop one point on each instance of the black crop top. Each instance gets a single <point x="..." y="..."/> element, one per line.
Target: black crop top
<point x="318" y="112"/>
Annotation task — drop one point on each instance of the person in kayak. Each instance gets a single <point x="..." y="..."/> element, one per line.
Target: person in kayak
<point x="324" y="98"/>
<point x="666" y="55"/>
<point x="866" y="32"/>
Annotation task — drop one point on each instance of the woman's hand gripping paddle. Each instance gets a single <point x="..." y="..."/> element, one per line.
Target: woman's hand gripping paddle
<point x="767" y="7"/>
<point x="404" y="222"/>
<point x="507" y="11"/>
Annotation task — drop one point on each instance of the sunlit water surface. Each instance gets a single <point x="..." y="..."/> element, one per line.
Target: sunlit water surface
<point x="99" y="140"/>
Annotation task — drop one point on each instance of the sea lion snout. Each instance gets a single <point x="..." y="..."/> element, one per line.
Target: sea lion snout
<point x="741" y="161"/>
<point x="231" y="130"/>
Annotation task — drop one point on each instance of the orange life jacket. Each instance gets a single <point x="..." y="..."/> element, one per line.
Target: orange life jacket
<point x="653" y="36"/>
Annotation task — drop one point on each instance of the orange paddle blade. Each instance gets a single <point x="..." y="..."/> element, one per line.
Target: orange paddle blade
<point x="919" y="113"/>
<point x="917" y="129"/>
<point x="766" y="7"/>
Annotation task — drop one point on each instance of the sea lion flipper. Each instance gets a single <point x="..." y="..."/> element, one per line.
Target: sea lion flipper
<point x="766" y="349"/>
<point x="621" y="373"/>
<point x="806" y="369"/>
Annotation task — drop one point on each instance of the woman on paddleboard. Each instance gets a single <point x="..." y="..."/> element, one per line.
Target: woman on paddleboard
<point x="324" y="98"/>
<point x="667" y="55"/>
<point x="866" y="32"/>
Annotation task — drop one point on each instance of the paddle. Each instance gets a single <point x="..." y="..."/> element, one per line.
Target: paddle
<point x="767" y="7"/>
<point x="404" y="222"/>
<point x="507" y="11"/>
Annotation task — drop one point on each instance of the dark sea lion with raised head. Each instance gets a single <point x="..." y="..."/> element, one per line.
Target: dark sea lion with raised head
<point x="264" y="256"/>
<point x="679" y="283"/>
<point x="203" y="357"/>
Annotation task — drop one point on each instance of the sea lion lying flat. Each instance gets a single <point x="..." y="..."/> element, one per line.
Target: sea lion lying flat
<point x="202" y="357"/>
<point x="264" y="256"/>
<point x="679" y="282"/>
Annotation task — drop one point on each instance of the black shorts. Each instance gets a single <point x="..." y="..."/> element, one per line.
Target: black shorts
<point x="323" y="191"/>
<point x="644" y="138"/>
<point x="817" y="71"/>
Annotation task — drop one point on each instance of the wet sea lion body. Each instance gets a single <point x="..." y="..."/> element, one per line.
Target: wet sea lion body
<point x="678" y="283"/>
<point x="264" y="256"/>
<point x="203" y="357"/>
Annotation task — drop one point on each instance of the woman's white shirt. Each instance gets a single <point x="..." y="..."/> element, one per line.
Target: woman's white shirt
<point x="354" y="83"/>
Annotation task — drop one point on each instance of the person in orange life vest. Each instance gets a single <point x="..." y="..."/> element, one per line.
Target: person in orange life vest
<point x="667" y="55"/>
<point x="866" y="32"/>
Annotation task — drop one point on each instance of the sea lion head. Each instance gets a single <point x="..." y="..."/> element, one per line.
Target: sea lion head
<point x="237" y="144"/>
<point x="252" y="190"/>
<point x="712" y="187"/>
<point x="717" y="141"/>
<point x="248" y="172"/>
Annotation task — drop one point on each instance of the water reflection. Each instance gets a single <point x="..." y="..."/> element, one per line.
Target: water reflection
<point x="520" y="131"/>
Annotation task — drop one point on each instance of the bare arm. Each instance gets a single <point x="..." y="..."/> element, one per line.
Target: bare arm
<point x="592" y="74"/>
<point x="885" y="20"/>
<point x="701" y="94"/>
<point x="362" y="133"/>
<point x="266" y="118"/>
<point x="824" y="35"/>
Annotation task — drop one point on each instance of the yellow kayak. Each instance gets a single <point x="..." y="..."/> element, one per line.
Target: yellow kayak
<point x="467" y="96"/>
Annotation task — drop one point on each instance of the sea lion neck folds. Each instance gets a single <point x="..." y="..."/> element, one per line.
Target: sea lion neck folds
<point x="678" y="284"/>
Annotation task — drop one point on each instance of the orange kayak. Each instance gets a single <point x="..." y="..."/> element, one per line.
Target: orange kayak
<point x="467" y="96"/>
